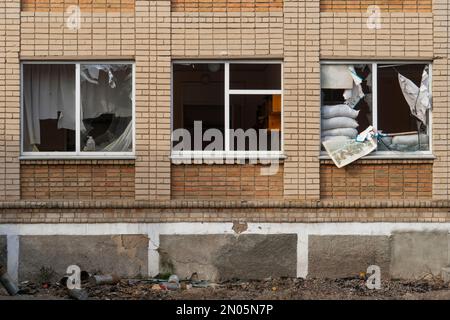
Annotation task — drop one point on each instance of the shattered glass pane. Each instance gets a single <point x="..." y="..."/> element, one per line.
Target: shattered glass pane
<point x="403" y="107"/>
<point x="106" y="108"/>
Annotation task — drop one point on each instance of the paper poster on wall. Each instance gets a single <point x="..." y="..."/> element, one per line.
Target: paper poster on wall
<point x="344" y="153"/>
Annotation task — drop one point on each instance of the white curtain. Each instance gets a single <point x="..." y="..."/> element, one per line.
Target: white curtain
<point x="49" y="93"/>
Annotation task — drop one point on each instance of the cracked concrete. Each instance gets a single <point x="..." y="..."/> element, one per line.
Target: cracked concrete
<point x="239" y="227"/>
<point x="223" y="257"/>
<point x="125" y="255"/>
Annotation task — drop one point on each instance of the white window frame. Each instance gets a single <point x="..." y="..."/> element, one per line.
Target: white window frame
<point x="227" y="153"/>
<point x="389" y="154"/>
<point x="78" y="154"/>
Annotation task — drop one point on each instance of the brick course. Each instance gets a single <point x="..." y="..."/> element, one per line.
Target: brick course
<point x="226" y="5"/>
<point x="385" y="6"/>
<point x="224" y="211"/>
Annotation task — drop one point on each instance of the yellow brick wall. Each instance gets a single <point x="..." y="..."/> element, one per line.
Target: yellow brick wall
<point x="301" y="99"/>
<point x="84" y="5"/>
<point x="144" y="35"/>
<point x="222" y="35"/>
<point x="441" y="92"/>
<point x="9" y="99"/>
<point x="402" y="35"/>
<point x="301" y="35"/>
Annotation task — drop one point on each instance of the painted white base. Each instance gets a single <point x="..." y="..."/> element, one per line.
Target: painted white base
<point x="154" y="230"/>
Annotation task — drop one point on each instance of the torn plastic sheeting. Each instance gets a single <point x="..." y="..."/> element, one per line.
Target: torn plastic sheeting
<point x="356" y="79"/>
<point x="354" y="95"/>
<point x="418" y="99"/>
<point x="336" y="77"/>
<point x="91" y="73"/>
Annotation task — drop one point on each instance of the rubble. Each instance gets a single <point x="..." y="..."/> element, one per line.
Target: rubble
<point x="78" y="294"/>
<point x="276" y="288"/>
<point x="104" y="279"/>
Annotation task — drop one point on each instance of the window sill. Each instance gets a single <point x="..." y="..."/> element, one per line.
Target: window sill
<point x="390" y="156"/>
<point x="226" y="157"/>
<point x="62" y="157"/>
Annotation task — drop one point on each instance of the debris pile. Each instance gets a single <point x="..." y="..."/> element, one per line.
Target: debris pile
<point x="281" y="288"/>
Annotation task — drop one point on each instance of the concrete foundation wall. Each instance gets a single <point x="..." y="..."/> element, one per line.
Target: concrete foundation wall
<point x="222" y="251"/>
<point x="224" y="257"/>
<point x="347" y="256"/>
<point x="125" y="255"/>
<point x="418" y="254"/>
<point x="3" y="251"/>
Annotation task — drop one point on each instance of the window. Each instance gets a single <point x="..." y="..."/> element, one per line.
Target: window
<point x="395" y="98"/>
<point x="77" y="109"/>
<point x="226" y="108"/>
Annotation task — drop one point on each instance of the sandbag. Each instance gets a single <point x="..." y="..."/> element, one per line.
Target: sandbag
<point x="338" y="122"/>
<point x="348" y="132"/>
<point x="339" y="110"/>
<point x="335" y="138"/>
<point x="409" y="148"/>
<point x="410" y="139"/>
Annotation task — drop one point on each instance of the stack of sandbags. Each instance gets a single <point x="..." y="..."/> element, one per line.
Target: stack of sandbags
<point x="338" y="123"/>
<point x="410" y="142"/>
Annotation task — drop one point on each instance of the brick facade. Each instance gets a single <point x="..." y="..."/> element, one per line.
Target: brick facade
<point x="377" y="180"/>
<point x="45" y="180"/>
<point x="225" y="182"/>
<point x="153" y="33"/>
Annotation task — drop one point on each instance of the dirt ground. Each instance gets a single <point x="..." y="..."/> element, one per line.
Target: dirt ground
<point x="285" y="289"/>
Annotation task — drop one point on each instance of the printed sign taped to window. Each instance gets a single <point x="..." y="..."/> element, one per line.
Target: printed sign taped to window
<point x="345" y="152"/>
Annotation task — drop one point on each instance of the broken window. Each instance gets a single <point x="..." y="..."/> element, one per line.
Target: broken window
<point x="227" y="106"/>
<point x="403" y="107"/>
<point x="69" y="115"/>
<point x="393" y="98"/>
<point x="106" y="108"/>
